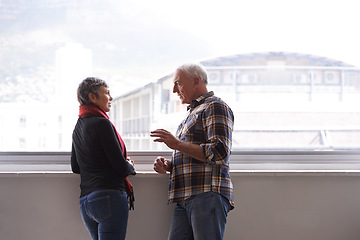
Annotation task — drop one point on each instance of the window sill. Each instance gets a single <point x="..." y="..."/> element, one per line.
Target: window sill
<point x="274" y="163"/>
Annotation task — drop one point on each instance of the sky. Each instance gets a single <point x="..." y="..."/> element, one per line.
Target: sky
<point x="326" y="28"/>
<point x="146" y="40"/>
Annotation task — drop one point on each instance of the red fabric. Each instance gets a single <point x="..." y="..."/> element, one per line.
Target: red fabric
<point x="94" y="110"/>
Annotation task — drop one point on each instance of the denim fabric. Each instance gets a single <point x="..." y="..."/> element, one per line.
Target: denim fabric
<point x="105" y="214"/>
<point x="201" y="217"/>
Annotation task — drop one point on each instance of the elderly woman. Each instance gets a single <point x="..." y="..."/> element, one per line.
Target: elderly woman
<point x="99" y="156"/>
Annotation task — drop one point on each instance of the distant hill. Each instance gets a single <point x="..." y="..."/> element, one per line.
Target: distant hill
<point x="120" y="36"/>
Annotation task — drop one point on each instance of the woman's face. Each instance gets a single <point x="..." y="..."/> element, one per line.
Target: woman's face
<point x="104" y="99"/>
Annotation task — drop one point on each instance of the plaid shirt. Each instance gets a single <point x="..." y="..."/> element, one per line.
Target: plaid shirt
<point x="209" y="124"/>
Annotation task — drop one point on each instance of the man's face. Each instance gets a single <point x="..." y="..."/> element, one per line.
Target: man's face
<point x="184" y="87"/>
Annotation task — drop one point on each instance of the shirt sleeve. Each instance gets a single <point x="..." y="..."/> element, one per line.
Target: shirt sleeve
<point x="218" y="121"/>
<point x="112" y="149"/>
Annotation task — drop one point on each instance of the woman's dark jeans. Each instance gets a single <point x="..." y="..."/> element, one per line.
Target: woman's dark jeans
<point x="105" y="214"/>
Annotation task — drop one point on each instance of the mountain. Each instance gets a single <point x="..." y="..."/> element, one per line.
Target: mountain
<point x="121" y="35"/>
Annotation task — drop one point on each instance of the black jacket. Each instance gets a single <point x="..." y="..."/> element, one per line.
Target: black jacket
<point x="97" y="156"/>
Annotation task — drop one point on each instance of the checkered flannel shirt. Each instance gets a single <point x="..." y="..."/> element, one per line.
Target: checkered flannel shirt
<point x="210" y="124"/>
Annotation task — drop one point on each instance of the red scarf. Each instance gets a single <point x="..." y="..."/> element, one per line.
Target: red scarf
<point x="94" y="110"/>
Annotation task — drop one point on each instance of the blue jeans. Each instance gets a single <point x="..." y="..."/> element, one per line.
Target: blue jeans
<point x="201" y="217"/>
<point x="105" y="214"/>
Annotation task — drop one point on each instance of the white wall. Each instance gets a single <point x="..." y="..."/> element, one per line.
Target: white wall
<point x="272" y="206"/>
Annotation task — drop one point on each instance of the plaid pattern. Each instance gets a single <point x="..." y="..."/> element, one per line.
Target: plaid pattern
<point x="210" y="124"/>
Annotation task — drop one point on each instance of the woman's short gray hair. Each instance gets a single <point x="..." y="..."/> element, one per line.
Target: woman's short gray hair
<point x="89" y="85"/>
<point x="195" y="70"/>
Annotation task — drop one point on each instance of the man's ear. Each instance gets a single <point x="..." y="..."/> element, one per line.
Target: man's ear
<point x="197" y="81"/>
<point x="92" y="97"/>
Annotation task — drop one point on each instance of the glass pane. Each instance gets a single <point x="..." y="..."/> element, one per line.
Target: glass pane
<point x="307" y="103"/>
<point x="288" y="70"/>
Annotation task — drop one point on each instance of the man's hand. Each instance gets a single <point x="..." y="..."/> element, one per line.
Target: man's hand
<point x="161" y="165"/>
<point x="193" y="150"/>
<point x="166" y="137"/>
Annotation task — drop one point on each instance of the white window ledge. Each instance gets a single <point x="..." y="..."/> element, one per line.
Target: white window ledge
<point x="241" y="162"/>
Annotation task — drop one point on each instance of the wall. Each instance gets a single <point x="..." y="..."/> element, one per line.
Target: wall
<point x="272" y="206"/>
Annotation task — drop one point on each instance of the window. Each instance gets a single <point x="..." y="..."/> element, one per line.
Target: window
<point x="291" y="80"/>
<point x="285" y="108"/>
<point x="22" y="121"/>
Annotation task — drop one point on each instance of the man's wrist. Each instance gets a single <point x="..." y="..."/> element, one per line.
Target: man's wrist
<point x="180" y="146"/>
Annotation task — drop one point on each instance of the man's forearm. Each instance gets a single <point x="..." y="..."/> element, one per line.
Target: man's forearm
<point x="193" y="150"/>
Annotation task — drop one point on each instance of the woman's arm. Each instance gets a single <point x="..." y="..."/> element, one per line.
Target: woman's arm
<point x="112" y="149"/>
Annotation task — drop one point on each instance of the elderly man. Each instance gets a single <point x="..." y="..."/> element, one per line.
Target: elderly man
<point x="199" y="181"/>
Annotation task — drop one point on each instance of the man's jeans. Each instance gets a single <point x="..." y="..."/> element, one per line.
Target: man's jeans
<point x="105" y="214"/>
<point x="201" y="217"/>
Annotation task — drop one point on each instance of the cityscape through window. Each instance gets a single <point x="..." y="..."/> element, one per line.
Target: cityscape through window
<point x="290" y="72"/>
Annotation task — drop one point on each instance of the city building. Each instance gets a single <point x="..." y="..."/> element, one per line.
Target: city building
<point x="280" y="101"/>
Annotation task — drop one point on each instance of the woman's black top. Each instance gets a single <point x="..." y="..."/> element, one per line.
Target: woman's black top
<point x="97" y="156"/>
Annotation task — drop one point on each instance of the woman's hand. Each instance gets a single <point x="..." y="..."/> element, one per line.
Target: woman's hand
<point x="130" y="161"/>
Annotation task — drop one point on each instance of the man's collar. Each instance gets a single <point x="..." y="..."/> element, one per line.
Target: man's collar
<point x="199" y="100"/>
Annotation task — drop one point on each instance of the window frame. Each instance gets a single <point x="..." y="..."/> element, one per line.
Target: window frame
<point x="263" y="162"/>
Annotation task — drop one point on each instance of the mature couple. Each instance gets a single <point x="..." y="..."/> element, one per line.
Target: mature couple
<point x="199" y="181"/>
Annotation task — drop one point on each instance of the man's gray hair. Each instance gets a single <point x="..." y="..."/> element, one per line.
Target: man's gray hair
<point x="194" y="70"/>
